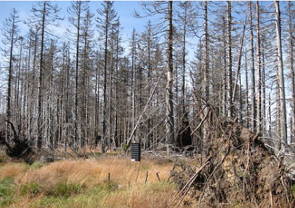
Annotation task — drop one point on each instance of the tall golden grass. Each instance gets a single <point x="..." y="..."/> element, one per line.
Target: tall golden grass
<point x="138" y="185"/>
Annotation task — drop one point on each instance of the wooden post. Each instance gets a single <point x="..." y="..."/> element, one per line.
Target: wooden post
<point x="109" y="177"/>
<point x="158" y="176"/>
<point x="146" y="177"/>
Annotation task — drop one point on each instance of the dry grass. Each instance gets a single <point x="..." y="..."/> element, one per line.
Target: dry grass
<point x="93" y="172"/>
<point x="12" y="170"/>
<point x="87" y="185"/>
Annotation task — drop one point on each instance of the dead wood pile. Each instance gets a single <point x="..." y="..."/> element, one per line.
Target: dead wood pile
<point x="239" y="170"/>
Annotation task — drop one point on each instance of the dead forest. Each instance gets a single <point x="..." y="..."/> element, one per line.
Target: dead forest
<point x="213" y="80"/>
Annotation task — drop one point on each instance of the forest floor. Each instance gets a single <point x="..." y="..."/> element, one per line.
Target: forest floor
<point x="105" y="181"/>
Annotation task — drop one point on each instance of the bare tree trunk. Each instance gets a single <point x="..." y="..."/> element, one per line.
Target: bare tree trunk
<point x="259" y="81"/>
<point x="96" y="108"/>
<point x="239" y="62"/>
<point x="35" y="33"/>
<point x="77" y="71"/>
<point x="269" y="117"/>
<point x="149" y="77"/>
<point x="104" y="127"/>
<point x="184" y="61"/>
<point x="18" y="92"/>
<point x="247" y="90"/>
<point x="263" y="91"/>
<point x="169" y="84"/>
<point x="283" y="116"/>
<point x="291" y="55"/>
<point x="206" y="78"/>
<point x="133" y="82"/>
<point x="225" y="76"/>
<point x="67" y="107"/>
<point x="40" y="90"/>
<point x="9" y="83"/>
<point x="252" y="70"/>
<point x="117" y="143"/>
<point x="229" y="45"/>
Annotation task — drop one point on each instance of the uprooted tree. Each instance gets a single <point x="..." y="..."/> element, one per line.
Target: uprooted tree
<point x="17" y="146"/>
<point x="239" y="168"/>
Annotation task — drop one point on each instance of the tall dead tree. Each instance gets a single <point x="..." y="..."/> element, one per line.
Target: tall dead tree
<point x="10" y="36"/>
<point x="106" y="19"/>
<point x="229" y="48"/>
<point x="253" y="80"/>
<point x="283" y="114"/>
<point x="259" y="71"/>
<point x="225" y="72"/>
<point x="78" y="9"/>
<point x="169" y="84"/>
<point x="45" y="14"/>
<point x="40" y="86"/>
<point x="291" y="57"/>
<point x="206" y="75"/>
<point x="133" y="80"/>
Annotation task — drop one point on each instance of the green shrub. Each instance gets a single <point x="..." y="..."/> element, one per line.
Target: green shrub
<point x="50" y="201"/>
<point x="30" y="188"/>
<point x="65" y="190"/>
<point x="110" y="186"/>
<point x="293" y="189"/>
<point x="37" y="165"/>
<point x="125" y="147"/>
<point x="7" y="189"/>
<point x="3" y="157"/>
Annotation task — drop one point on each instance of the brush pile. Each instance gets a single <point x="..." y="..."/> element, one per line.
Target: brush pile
<point x="239" y="170"/>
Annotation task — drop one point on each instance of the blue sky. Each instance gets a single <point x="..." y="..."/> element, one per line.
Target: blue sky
<point x="125" y="10"/>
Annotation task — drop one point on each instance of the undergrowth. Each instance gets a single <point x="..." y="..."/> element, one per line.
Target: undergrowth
<point x="102" y="183"/>
<point x="7" y="190"/>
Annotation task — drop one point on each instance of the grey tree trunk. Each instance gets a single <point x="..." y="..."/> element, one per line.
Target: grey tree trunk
<point x="283" y="116"/>
<point x="291" y="56"/>
<point x="253" y="118"/>
<point x="259" y="81"/>
<point x="9" y="82"/>
<point x="169" y="84"/>
<point x="104" y="127"/>
<point x="40" y="87"/>
<point x="229" y="48"/>
<point x="77" y="71"/>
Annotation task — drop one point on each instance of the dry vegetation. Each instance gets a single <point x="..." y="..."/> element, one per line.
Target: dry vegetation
<point x="85" y="183"/>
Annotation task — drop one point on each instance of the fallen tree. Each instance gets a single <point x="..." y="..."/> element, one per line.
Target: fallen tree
<point x="238" y="170"/>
